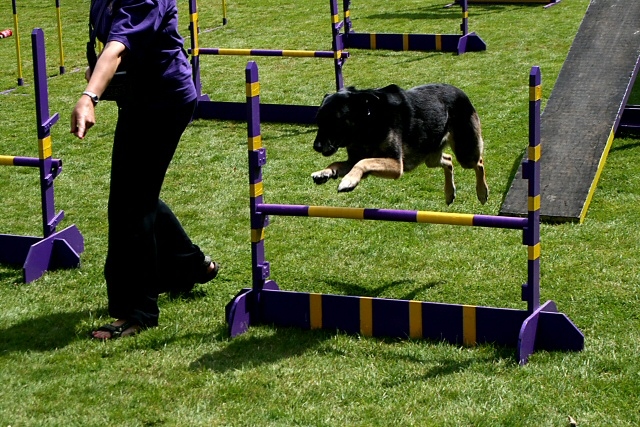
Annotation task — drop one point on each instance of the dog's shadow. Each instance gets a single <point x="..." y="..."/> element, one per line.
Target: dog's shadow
<point x="356" y="289"/>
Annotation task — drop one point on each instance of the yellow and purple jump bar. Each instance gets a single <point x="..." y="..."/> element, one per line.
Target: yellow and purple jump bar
<point x="429" y="217"/>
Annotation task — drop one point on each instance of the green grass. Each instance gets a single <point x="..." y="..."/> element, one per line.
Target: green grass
<point x="187" y="372"/>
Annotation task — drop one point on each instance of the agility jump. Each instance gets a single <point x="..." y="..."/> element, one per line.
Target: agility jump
<point x="539" y="327"/>
<point x="283" y="113"/>
<point x="459" y="43"/>
<point x="56" y="249"/>
<point x="17" y="37"/>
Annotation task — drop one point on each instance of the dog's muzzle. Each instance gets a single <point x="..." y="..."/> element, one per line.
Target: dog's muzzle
<point x="324" y="147"/>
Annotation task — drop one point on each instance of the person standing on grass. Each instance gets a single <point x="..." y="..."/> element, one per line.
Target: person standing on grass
<point x="148" y="250"/>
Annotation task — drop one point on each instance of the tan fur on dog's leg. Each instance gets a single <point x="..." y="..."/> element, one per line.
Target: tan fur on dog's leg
<point x="449" y="184"/>
<point x="482" y="189"/>
<point x="445" y="162"/>
<point x="381" y="167"/>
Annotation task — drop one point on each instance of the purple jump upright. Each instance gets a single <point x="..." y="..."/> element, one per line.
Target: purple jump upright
<point x="458" y="43"/>
<point x="538" y="327"/>
<point x="56" y="249"/>
<point x="282" y="113"/>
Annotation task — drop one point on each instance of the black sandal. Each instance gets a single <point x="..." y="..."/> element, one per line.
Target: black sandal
<point x="116" y="331"/>
<point x="206" y="275"/>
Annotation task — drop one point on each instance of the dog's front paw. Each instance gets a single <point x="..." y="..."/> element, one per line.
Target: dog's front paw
<point x="322" y="176"/>
<point x="347" y="184"/>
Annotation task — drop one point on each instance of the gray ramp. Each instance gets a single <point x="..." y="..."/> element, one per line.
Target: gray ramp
<point x="583" y="112"/>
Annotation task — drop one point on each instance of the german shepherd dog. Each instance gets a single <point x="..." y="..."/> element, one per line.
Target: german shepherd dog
<point x="389" y="131"/>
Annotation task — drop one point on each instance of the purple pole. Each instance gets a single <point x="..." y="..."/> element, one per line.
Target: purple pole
<point x="337" y="44"/>
<point x="257" y="158"/>
<point x="531" y="171"/>
<point x="44" y="124"/>
<point x="464" y="27"/>
<point x="195" y="51"/>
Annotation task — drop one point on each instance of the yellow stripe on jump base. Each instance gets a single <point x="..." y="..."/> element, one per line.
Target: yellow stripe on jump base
<point x="372" y="40"/>
<point x="533" y="203"/>
<point x="535" y="93"/>
<point x="366" y="316"/>
<point x="257" y="235"/>
<point x="44" y="147"/>
<point x="256" y="189"/>
<point x="438" y="42"/>
<point x="405" y="42"/>
<point x="534" y="153"/>
<point x="252" y="89"/>
<point x="254" y="142"/>
<point x="336" y="212"/>
<point x="534" y="252"/>
<point x="469" y="325"/>
<point x="315" y="311"/>
<point x="415" y="319"/>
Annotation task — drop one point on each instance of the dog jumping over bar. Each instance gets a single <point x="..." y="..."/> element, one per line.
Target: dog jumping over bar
<point x="389" y="131"/>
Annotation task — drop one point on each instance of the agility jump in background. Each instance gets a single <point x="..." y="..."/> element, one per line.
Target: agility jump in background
<point x="57" y="249"/>
<point x="16" y="32"/>
<point x="283" y="113"/>
<point x="459" y="43"/>
<point x="539" y="327"/>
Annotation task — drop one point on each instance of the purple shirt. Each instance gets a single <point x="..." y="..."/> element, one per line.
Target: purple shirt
<point x="156" y="61"/>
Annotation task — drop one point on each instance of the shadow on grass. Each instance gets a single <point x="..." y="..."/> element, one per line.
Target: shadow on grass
<point x="253" y="351"/>
<point x="247" y="352"/>
<point x="45" y="333"/>
<point x="354" y="289"/>
<point x="439" y="12"/>
<point x="11" y="275"/>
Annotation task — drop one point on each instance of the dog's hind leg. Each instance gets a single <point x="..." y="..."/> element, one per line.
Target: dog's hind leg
<point x="482" y="189"/>
<point x="445" y="162"/>
<point x="468" y="146"/>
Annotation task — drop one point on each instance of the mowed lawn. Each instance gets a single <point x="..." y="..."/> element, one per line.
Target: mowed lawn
<point x="188" y="372"/>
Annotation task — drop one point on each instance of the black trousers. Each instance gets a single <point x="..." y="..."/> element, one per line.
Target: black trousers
<point x="149" y="252"/>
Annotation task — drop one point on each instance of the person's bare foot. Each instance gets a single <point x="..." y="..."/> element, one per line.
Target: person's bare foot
<point x="117" y="329"/>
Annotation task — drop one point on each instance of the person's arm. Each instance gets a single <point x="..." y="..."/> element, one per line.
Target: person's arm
<point x="83" y="115"/>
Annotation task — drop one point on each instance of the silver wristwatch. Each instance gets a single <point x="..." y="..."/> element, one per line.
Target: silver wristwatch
<point x="93" y="96"/>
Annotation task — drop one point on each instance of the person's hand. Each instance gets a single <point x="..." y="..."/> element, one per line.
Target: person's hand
<point x="83" y="117"/>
